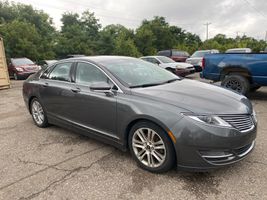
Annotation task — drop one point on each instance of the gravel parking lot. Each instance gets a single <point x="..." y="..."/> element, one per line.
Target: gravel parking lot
<point x="54" y="163"/>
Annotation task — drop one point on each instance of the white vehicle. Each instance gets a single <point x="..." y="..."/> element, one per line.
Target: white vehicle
<point x="197" y="56"/>
<point x="239" y="50"/>
<point x="178" y="68"/>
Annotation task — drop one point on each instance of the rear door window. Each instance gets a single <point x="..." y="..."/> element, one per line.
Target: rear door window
<point x="61" y="72"/>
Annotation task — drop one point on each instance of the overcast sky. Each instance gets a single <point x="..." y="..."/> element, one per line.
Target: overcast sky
<point x="226" y="16"/>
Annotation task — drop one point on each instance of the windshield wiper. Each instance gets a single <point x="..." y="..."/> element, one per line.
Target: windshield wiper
<point x="154" y="84"/>
<point x="145" y="85"/>
<point x="172" y="80"/>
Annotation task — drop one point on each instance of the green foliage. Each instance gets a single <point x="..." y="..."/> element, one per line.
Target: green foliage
<point x="18" y="19"/>
<point x="30" y="33"/>
<point x="222" y="43"/>
<point x="125" y="46"/>
<point x="79" y="34"/>
<point x="21" y="39"/>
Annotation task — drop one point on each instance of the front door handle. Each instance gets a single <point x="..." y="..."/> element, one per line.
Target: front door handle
<point x="76" y="90"/>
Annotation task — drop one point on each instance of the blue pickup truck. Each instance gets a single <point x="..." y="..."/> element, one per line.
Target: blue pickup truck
<point x="242" y="72"/>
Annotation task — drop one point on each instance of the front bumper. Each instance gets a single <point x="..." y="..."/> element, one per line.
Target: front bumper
<point x="201" y="147"/>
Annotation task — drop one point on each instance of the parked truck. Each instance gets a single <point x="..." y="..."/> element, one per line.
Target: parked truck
<point x="242" y="72"/>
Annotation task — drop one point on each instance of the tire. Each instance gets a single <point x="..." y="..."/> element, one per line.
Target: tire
<point x="253" y="89"/>
<point x="38" y="114"/>
<point x="155" y="155"/>
<point x="237" y="83"/>
<point x="16" y="77"/>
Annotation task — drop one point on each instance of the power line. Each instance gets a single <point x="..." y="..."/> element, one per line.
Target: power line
<point x="254" y="8"/>
<point x="207" y="30"/>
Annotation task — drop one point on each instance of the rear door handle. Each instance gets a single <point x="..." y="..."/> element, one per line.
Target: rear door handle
<point x="76" y="90"/>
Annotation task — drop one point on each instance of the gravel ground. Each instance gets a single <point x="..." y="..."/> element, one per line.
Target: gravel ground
<point x="54" y="163"/>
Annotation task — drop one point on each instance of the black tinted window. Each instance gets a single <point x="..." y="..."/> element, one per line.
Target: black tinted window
<point x="165" y="53"/>
<point x="61" y="72"/>
<point x="88" y="74"/>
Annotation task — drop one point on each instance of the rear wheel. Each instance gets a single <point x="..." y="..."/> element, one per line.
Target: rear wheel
<point x="151" y="147"/>
<point x="38" y="113"/>
<point x="237" y="83"/>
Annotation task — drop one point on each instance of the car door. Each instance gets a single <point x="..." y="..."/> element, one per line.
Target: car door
<point x="56" y="91"/>
<point x="94" y="110"/>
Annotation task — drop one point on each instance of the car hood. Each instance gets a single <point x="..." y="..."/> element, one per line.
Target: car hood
<point x="166" y="65"/>
<point x="30" y="67"/>
<point x="197" y="97"/>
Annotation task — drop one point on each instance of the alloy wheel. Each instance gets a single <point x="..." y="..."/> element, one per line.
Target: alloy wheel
<point x="149" y="147"/>
<point x="37" y="113"/>
<point x="234" y="85"/>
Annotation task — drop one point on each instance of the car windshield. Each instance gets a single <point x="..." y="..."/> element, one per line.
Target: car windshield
<point x="21" y="61"/>
<point x="133" y="72"/>
<point x="164" y="59"/>
<point x="200" y="53"/>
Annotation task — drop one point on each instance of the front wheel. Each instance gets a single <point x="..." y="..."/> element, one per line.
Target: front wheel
<point x="237" y="83"/>
<point x="151" y="147"/>
<point x="16" y="77"/>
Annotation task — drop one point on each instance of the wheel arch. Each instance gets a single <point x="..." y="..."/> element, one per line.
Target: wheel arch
<point x="29" y="103"/>
<point x="146" y="119"/>
<point x="238" y="70"/>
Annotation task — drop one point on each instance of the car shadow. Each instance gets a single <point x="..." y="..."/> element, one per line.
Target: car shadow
<point x="258" y="95"/>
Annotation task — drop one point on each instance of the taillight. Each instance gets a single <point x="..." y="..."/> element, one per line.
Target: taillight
<point x="203" y="63"/>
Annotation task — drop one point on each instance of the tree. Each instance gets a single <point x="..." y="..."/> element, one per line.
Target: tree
<point x="145" y="40"/>
<point x="125" y="46"/>
<point x="109" y="35"/>
<point x="79" y="34"/>
<point x="163" y="37"/>
<point x="21" y="39"/>
<point x="26" y="15"/>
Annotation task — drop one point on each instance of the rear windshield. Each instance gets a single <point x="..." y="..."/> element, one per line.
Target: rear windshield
<point x="21" y="61"/>
<point x="179" y="53"/>
<point x="164" y="53"/>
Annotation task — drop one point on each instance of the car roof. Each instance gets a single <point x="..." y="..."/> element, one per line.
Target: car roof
<point x="152" y="56"/>
<point x="97" y="59"/>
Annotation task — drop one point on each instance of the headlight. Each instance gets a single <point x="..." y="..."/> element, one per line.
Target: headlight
<point x="209" y="119"/>
<point x="254" y="115"/>
<point x="19" y="69"/>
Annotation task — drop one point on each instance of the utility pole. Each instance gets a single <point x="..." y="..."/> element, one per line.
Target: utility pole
<point x="266" y="36"/>
<point x="207" y="30"/>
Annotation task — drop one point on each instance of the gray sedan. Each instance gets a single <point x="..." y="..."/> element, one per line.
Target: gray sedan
<point x="132" y="104"/>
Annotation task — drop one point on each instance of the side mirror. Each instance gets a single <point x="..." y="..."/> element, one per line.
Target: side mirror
<point x="101" y="87"/>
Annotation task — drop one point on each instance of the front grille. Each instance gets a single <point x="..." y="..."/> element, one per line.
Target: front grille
<point x="242" y="123"/>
